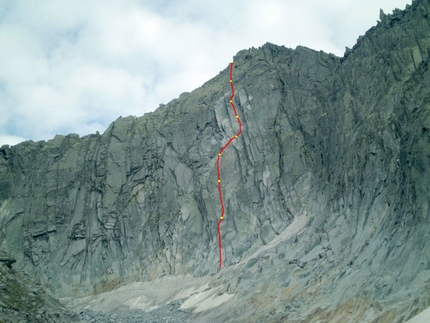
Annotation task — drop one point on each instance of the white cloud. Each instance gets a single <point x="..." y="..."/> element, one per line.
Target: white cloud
<point x="75" y="66"/>
<point x="10" y="140"/>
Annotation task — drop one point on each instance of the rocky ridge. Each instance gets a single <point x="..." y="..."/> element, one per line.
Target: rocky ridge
<point x="326" y="191"/>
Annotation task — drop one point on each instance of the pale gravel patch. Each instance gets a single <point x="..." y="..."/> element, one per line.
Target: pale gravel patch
<point x="206" y="300"/>
<point x="145" y="296"/>
<point x="423" y="317"/>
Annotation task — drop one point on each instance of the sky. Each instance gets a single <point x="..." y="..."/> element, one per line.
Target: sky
<point x="76" y="66"/>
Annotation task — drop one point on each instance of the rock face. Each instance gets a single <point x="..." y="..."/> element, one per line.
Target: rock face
<point x="326" y="190"/>
<point x="22" y="300"/>
<point x="6" y="259"/>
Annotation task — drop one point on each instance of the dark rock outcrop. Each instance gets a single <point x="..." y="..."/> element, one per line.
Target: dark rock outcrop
<point x="326" y="191"/>
<point x="6" y="258"/>
<point x="22" y="300"/>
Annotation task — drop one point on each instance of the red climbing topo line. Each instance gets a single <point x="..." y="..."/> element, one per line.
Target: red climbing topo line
<point x="218" y="163"/>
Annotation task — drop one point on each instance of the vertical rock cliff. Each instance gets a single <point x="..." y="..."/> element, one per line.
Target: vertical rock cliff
<point x="326" y="190"/>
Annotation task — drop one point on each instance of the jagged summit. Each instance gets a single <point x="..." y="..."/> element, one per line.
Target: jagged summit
<point x="326" y="190"/>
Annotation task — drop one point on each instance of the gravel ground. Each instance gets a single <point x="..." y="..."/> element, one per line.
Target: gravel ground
<point x="423" y="317"/>
<point x="170" y="313"/>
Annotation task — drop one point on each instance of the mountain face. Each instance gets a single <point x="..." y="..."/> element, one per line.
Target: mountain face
<point x="326" y="190"/>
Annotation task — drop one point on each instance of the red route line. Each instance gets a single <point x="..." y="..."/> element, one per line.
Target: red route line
<point x="218" y="163"/>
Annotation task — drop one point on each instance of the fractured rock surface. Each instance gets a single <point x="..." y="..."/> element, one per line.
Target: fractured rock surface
<point x="326" y="190"/>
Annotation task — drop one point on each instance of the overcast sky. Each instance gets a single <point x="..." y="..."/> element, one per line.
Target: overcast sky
<point x="76" y="66"/>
